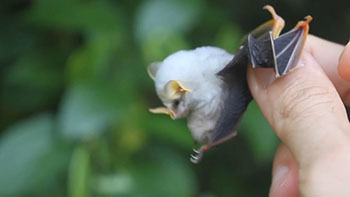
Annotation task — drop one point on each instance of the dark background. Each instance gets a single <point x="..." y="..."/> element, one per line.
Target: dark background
<point x="74" y="96"/>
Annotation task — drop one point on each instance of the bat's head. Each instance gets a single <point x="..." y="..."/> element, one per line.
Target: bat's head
<point x="186" y="82"/>
<point x="175" y="99"/>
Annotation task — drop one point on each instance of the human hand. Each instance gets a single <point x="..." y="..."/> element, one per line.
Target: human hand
<point x="305" y="110"/>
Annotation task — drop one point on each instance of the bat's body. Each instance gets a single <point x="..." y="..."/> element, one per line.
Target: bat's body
<point x="204" y="104"/>
<point x="209" y="85"/>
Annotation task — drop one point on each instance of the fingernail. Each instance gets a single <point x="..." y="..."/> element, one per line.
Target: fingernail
<point x="300" y="63"/>
<point x="279" y="177"/>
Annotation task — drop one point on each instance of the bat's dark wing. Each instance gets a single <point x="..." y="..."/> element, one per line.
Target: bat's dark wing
<point x="236" y="101"/>
<point x="282" y="52"/>
<point x="288" y="47"/>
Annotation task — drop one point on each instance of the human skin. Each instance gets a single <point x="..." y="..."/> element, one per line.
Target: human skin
<point x="305" y="109"/>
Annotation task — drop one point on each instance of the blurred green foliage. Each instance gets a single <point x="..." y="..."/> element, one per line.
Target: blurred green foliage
<point x="75" y="93"/>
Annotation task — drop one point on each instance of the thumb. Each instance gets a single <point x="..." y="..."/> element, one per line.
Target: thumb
<point x="303" y="99"/>
<point x="344" y="63"/>
<point x="307" y="114"/>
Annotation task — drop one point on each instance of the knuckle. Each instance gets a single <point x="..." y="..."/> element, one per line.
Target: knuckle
<point x="302" y="97"/>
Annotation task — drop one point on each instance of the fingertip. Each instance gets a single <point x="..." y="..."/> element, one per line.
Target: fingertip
<point x="306" y="65"/>
<point x="344" y="63"/>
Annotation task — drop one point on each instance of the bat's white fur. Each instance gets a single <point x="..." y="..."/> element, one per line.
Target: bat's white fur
<point x="195" y="70"/>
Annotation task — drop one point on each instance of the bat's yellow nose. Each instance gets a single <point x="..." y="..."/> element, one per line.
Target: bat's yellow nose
<point x="163" y="110"/>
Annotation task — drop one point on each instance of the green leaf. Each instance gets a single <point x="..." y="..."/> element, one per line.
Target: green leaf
<point x="21" y="149"/>
<point x="92" y="61"/>
<point x="259" y="135"/>
<point x="229" y="37"/>
<point x="163" y="128"/>
<point x="88" y="109"/>
<point x="156" y="171"/>
<point x="157" y="17"/>
<point x="53" y="169"/>
<point x="73" y="15"/>
<point x="79" y="171"/>
<point x="160" y="46"/>
<point x="163" y="173"/>
<point x="114" y="184"/>
<point x="23" y="81"/>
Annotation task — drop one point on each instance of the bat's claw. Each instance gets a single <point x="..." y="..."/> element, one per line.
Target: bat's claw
<point x="278" y="22"/>
<point x="195" y="150"/>
<point x="304" y="24"/>
<point x="308" y="18"/>
<point x="195" y="158"/>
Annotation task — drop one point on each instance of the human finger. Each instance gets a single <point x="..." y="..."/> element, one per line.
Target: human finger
<point x="327" y="54"/>
<point x="307" y="114"/>
<point x="284" y="174"/>
<point x="344" y="63"/>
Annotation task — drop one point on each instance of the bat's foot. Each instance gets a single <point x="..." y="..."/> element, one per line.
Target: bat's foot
<point x="196" y="158"/>
<point x="278" y="22"/>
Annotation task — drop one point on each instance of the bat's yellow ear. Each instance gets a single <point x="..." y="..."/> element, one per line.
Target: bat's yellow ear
<point x="153" y="68"/>
<point x="174" y="90"/>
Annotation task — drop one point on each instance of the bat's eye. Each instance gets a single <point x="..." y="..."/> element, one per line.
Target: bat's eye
<point x="176" y="103"/>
